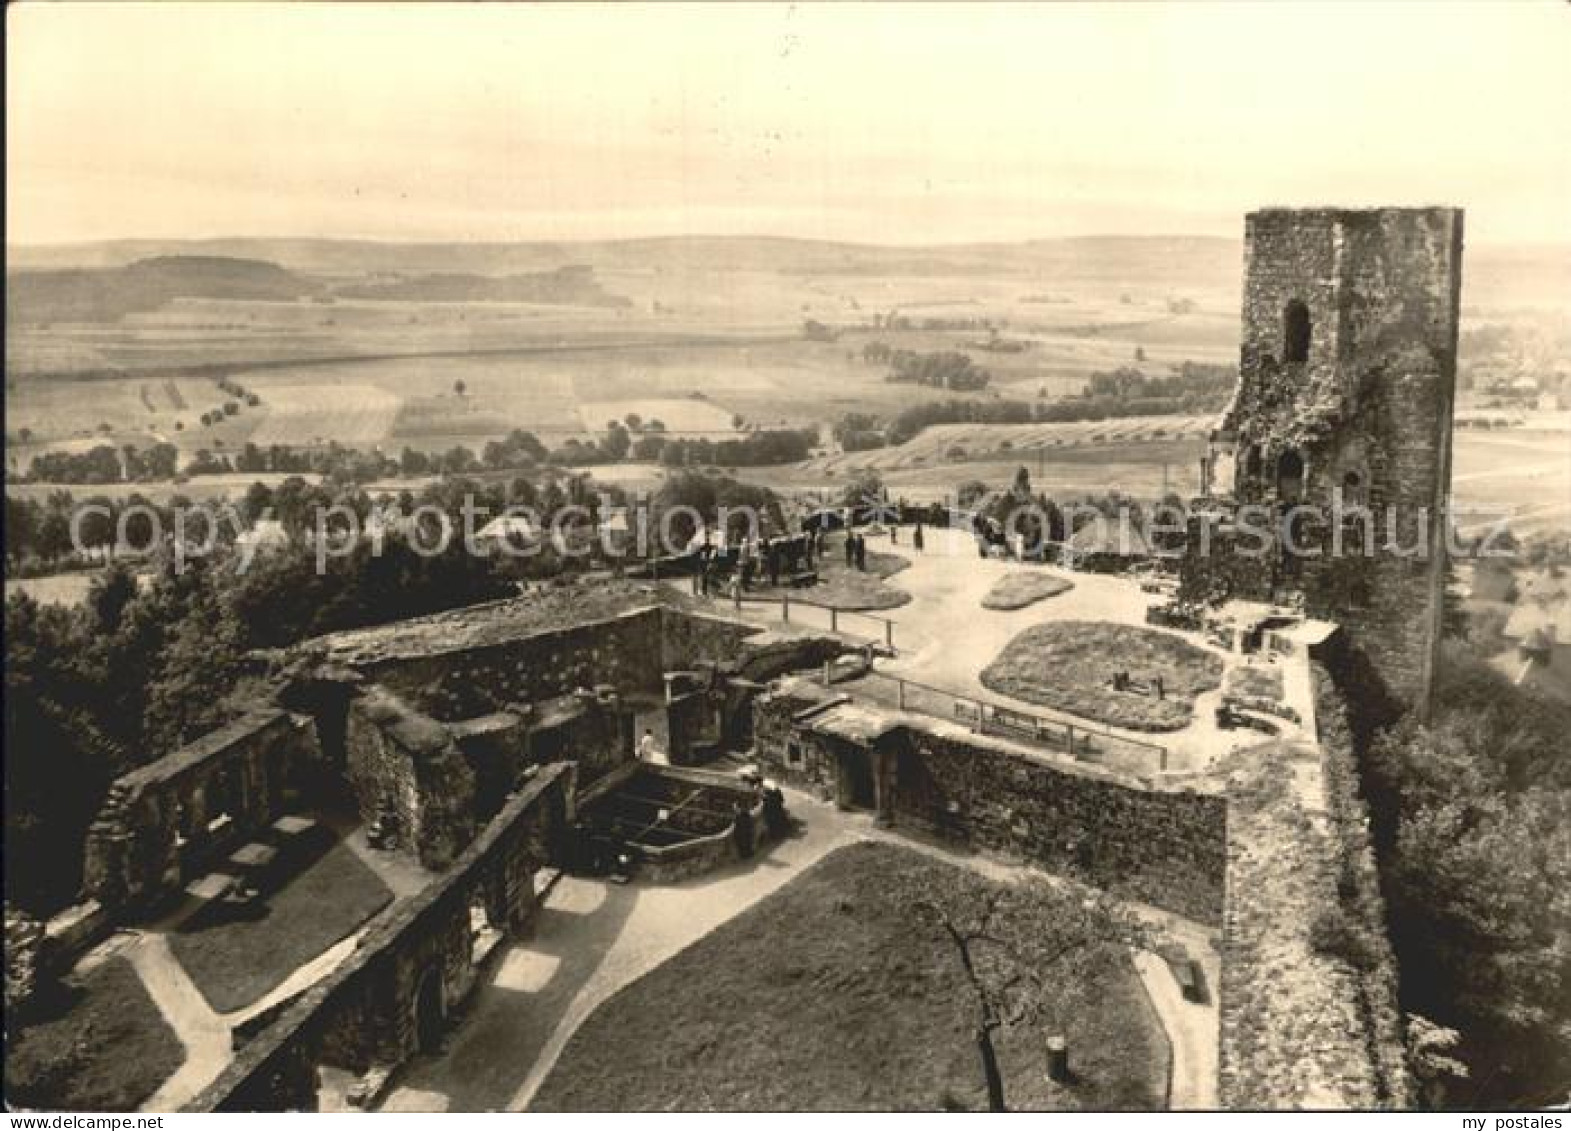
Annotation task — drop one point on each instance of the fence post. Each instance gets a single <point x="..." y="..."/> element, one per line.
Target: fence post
<point x="889" y="635"/>
<point x="900" y="693"/>
<point x="826" y="673"/>
<point x="1163" y="763"/>
<point x="785" y="607"/>
<point x="834" y="619"/>
<point x="980" y="726"/>
<point x="1071" y="731"/>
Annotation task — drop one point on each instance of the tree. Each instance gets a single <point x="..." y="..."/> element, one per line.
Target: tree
<point x="1025" y="947"/>
<point x="111" y="592"/>
<point x="97" y="526"/>
<point x="616" y="442"/>
<point x="22" y="519"/>
<point x="1472" y="825"/>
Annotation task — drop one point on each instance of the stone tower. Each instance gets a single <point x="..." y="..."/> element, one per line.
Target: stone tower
<point x="1347" y="377"/>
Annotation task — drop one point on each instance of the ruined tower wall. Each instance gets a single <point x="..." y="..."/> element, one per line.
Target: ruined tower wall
<point x="1347" y="371"/>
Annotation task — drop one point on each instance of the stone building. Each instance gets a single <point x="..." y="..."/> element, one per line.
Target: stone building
<point x="1338" y="439"/>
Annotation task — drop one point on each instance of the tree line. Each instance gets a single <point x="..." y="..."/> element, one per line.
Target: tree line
<point x="141" y="666"/>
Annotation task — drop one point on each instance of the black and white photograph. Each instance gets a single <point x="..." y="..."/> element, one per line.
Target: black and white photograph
<point x="787" y="558"/>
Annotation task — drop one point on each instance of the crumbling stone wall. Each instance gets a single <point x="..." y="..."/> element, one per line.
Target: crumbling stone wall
<point x="1163" y="848"/>
<point x="590" y="728"/>
<point x="162" y="823"/>
<point x="1347" y="373"/>
<point x="1308" y="999"/>
<point x="410" y="778"/>
<point x="628" y="652"/>
<point x="415" y="956"/>
<point x="429" y="786"/>
<point x="625" y="652"/>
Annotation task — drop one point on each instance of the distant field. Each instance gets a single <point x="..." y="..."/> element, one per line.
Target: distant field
<point x="353" y="415"/>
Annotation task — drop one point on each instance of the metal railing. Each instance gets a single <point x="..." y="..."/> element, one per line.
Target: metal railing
<point x="1082" y="741"/>
<point x="841" y="622"/>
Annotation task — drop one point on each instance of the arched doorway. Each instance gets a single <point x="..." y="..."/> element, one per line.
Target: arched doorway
<point x="430" y="1012"/>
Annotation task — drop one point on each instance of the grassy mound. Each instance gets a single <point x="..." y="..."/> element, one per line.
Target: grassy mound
<point x="1069" y="666"/>
<point x="826" y="996"/>
<point x="102" y="1046"/>
<point x="235" y="962"/>
<point x="1024" y="587"/>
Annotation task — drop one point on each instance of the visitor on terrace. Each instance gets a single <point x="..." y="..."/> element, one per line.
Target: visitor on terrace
<point x="742" y="831"/>
<point x="649" y="749"/>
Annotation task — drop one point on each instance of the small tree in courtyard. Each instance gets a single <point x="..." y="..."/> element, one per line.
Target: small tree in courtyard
<point x="1027" y="949"/>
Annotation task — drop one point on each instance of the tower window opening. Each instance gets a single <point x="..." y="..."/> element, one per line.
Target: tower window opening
<point x="1295" y="333"/>
<point x="1290" y="477"/>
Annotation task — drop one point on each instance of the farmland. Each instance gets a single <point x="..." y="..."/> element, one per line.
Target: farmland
<point x="705" y="335"/>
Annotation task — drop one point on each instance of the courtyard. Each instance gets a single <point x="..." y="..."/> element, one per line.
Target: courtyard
<point x="831" y="995"/>
<point x="596" y="941"/>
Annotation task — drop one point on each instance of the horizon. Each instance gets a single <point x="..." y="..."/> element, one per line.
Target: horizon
<point x="869" y="125"/>
<point x="955" y="245"/>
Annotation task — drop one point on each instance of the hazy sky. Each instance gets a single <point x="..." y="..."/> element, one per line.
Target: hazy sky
<point x="898" y="124"/>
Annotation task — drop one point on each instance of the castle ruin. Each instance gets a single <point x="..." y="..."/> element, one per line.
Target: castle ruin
<point x="1347" y="375"/>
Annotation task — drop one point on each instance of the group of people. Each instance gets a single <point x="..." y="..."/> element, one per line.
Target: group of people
<point x="776" y="823"/>
<point x="757" y="559"/>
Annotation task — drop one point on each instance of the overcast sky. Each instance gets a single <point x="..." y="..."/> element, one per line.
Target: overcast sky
<point x="890" y="124"/>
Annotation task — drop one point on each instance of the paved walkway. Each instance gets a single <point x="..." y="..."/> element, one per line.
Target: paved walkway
<point x="944" y="637"/>
<point x="594" y="938"/>
<point x="204" y="1033"/>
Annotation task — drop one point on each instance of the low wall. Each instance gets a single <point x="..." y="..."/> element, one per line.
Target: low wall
<point x="412" y="968"/>
<point x="625" y="652"/>
<point x="1166" y="848"/>
<point x="164" y="822"/>
<point x="1308" y="996"/>
<point x="629" y="652"/>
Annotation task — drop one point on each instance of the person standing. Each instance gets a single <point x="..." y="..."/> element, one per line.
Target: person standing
<point x="772" y="563"/>
<point x="850" y="548"/>
<point x="861" y="553"/>
<point x="742" y="831"/>
<point x="916" y="537"/>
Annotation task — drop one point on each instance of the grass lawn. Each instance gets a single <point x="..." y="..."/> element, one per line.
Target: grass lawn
<point x="103" y="1046"/>
<point x="1069" y="666"/>
<point x="842" y="587"/>
<point x="235" y="962"/>
<point x="1255" y="683"/>
<point x="829" y="995"/>
<point x="1024" y="587"/>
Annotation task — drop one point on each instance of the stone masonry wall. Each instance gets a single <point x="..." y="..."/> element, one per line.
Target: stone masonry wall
<point x="1368" y="412"/>
<point x="1163" y="848"/>
<point x="410" y="777"/>
<point x="415" y="955"/>
<point x="1308" y="993"/>
<point x="628" y="652"/>
<point x="162" y="823"/>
